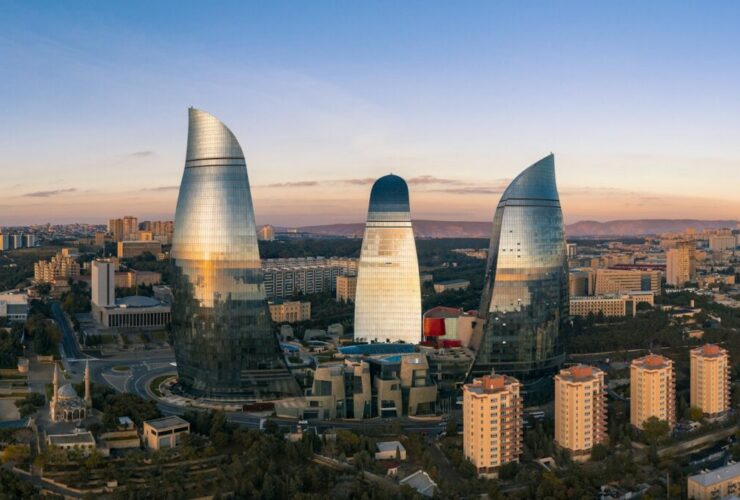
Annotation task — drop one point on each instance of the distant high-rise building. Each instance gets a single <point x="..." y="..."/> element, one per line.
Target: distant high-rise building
<point x="267" y="233"/>
<point x="130" y="228"/>
<point x="115" y="228"/>
<point x="103" y="283"/>
<point x="722" y="242"/>
<point x="572" y="250"/>
<point x="710" y="380"/>
<point x="99" y="239"/>
<point x="388" y="295"/>
<point x="224" y="342"/>
<point x="29" y="240"/>
<point x="652" y="390"/>
<point x="524" y="305"/>
<point x="492" y="422"/>
<point x="680" y="264"/>
<point x="5" y="241"/>
<point x="17" y="241"/>
<point x="580" y="409"/>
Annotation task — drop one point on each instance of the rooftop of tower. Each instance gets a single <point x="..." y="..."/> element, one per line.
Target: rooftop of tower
<point x="536" y="182"/>
<point x="389" y="194"/>
<point x="210" y="139"/>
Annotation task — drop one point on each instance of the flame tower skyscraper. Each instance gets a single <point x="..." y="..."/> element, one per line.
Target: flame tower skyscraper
<point x="388" y="297"/>
<point x="223" y="337"/>
<point x="524" y="306"/>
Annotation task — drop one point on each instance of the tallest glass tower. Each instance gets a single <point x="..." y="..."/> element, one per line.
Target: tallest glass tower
<point x="224" y="343"/>
<point x="524" y="306"/>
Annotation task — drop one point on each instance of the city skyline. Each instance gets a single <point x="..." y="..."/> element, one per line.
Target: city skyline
<point x="640" y="127"/>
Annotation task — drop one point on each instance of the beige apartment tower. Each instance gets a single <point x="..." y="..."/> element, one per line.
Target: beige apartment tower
<point x="652" y="390"/>
<point x="492" y="416"/>
<point x="580" y="409"/>
<point x="681" y="264"/>
<point x="710" y="380"/>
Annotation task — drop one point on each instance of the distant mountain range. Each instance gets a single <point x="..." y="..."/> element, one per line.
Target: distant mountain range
<point x="464" y="229"/>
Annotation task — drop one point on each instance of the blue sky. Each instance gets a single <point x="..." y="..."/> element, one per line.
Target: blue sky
<point x="638" y="101"/>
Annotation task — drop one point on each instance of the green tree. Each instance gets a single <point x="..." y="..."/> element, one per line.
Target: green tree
<point x="16" y="453"/>
<point x="655" y="429"/>
<point x="695" y="414"/>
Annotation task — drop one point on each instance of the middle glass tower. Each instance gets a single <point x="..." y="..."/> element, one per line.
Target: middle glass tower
<point x="388" y="297"/>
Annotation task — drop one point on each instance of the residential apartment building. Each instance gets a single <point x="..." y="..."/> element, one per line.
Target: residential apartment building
<point x="62" y="265"/>
<point x="346" y="288"/>
<point x="681" y="264"/>
<point x="710" y="380"/>
<point x="580" y="409"/>
<point x="492" y="422"/>
<point x="290" y="311"/>
<point x="284" y="277"/>
<point x="652" y="390"/>
<point x="722" y="242"/>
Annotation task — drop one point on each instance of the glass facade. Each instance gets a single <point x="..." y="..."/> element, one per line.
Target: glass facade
<point x="524" y="306"/>
<point x="388" y="297"/>
<point x="223" y="337"/>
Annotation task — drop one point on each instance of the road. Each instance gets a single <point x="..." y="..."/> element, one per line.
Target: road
<point x="70" y="349"/>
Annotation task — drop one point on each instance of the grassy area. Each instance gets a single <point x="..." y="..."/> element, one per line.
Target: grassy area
<point x="121" y="368"/>
<point x="154" y="385"/>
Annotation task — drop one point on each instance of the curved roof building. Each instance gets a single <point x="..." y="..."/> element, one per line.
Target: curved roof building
<point x="388" y="297"/>
<point x="223" y="338"/>
<point x="524" y="305"/>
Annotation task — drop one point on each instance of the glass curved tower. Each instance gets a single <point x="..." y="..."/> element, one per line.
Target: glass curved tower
<point x="223" y="338"/>
<point x="388" y="297"/>
<point x="524" y="306"/>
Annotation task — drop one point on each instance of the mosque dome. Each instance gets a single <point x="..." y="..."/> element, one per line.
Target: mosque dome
<point x="67" y="392"/>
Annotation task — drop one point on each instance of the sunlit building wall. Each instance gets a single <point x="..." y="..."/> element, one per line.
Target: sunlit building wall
<point x="710" y="383"/>
<point x="652" y="390"/>
<point x="388" y="295"/>
<point x="524" y="305"/>
<point x="224" y="341"/>
<point x="492" y="422"/>
<point x="580" y="409"/>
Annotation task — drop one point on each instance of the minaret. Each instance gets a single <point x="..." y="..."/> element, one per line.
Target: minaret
<point x="55" y="386"/>
<point x="88" y="398"/>
<point x="55" y="383"/>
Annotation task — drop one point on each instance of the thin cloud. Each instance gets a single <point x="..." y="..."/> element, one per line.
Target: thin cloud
<point x="296" y="184"/>
<point x="470" y="190"/>
<point x="425" y="180"/>
<point x="358" y="182"/>
<point x="46" y="194"/>
<point x="141" y="154"/>
<point x="162" y="188"/>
